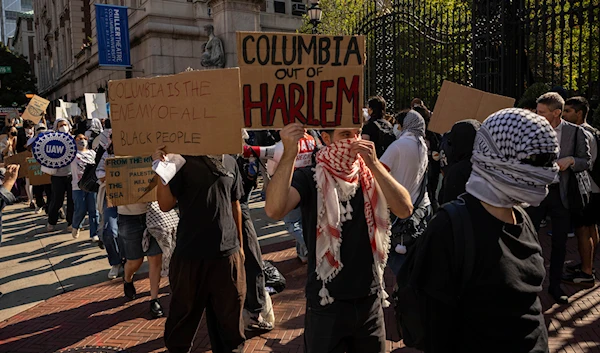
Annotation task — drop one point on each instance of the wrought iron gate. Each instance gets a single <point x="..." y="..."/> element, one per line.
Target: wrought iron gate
<point x="500" y="46"/>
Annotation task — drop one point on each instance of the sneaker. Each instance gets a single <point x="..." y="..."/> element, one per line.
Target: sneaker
<point x="156" y="309"/>
<point x="50" y="228"/>
<point x="95" y="239"/>
<point x="580" y="279"/>
<point x="571" y="235"/>
<point x="129" y="289"/>
<point x="257" y="323"/>
<point x="32" y="205"/>
<point x="75" y="232"/>
<point x="559" y="296"/>
<point x="38" y="210"/>
<point x="114" y="271"/>
<point x="577" y="268"/>
<point x="61" y="214"/>
<point x="543" y="223"/>
<point x="69" y="228"/>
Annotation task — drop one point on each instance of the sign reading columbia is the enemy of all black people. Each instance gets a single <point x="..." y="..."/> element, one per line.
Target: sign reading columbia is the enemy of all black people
<point x="311" y="79"/>
<point x="192" y="113"/>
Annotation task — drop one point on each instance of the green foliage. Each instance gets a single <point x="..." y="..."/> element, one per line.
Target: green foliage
<point x="16" y="84"/>
<point x="532" y="93"/>
<point x="339" y="17"/>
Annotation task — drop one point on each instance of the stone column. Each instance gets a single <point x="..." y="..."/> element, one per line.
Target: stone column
<point x="230" y="16"/>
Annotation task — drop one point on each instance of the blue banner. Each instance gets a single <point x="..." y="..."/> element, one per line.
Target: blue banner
<point x="112" y="27"/>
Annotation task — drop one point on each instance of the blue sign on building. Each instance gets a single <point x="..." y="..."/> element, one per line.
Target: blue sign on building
<point x="112" y="26"/>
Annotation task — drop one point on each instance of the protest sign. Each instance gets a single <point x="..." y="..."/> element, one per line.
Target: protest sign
<point x="35" y="174"/>
<point x="69" y="109"/>
<point x="129" y="180"/>
<point x="20" y="159"/>
<point x="311" y="79"/>
<point x="60" y="113"/>
<point x="95" y="106"/>
<point x="193" y="113"/>
<point x="456" y="102"/>
<point x="54" y="149"/>
<point x="35" y="109"/>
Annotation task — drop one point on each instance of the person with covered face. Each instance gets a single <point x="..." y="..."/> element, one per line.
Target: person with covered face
<point x="344" y="202"/>
<point x="85" y="202"/>
<point x="497" y="304"/>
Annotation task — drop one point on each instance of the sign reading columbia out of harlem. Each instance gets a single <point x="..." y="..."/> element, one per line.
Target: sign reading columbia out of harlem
<point x="113" y="35"/>
<point x="311" y="79"/>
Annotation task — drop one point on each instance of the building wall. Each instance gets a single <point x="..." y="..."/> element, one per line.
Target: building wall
<point x="23" y="42"/>
<point x="10" y="13"/>
<point x="166" y="38"/>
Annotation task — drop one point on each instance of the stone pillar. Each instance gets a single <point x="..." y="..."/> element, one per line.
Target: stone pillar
<point x="230" y="16"/>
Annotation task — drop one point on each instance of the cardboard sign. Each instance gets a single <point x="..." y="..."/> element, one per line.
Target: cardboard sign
<point x="35" y="174"/>
<point x="95" y="106"/>
<point x="20" y="159"/>
<point x="456" y="102"/>
<point x="69" y="109"/>
<point x="60" y="113"/>
<point x="129" y="180"/>
<point x="35" y="109"/>
<point x="192" y="113"/>
<point x="311" y="79"/>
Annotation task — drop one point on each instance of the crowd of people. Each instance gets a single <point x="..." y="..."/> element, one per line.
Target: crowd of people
<point x="454" y="216"/>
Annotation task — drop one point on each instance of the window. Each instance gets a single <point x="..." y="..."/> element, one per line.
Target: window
<point x="279" y="6"/>
<point x="30" y="24"/>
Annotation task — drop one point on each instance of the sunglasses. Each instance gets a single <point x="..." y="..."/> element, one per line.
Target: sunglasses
<point x="541" y="160"/>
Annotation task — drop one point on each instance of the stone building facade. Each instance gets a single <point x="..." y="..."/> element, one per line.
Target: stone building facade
<point x="166" y="36"/>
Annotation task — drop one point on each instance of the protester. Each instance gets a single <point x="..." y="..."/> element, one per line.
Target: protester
<point x="84" y="201"/>
<point x="94" y="130"/>
<point x="496" y="303"/>
<point x="39" y="190"/>
<point x="8" y="176"/>
<point x="585" y="222"/>
<point x="574" y="155"/>
<point x="113" y="243"/>
<point x="272" y="154"/>
<point x="61" y="182"/>
<point x="378" y="129"/>
<point x="24" y="134"/>
<point x="457" y="149"/>
<point x="344" y="202"/>
<point x="406" y="159"/>
<point x="8" y="144"/>
<point x="207" y="268"/>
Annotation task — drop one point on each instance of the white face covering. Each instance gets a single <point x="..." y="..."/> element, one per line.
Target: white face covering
<point x="397" y="130"/>
<point x="29" y="133"/>
<point x="64" y="128"/>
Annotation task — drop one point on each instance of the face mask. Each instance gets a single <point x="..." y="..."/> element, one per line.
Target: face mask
<point x="397" y="130"/>
<point x="29" y="132"/>
<point x="64" y="129"/>
<point x="81" y="144"/>
<point x="13" y="133"/>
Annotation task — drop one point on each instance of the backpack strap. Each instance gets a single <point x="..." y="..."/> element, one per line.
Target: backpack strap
<point x="464" y="242"/>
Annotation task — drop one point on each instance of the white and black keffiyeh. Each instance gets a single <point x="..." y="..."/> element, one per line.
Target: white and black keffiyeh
<point x="163" y="227"/>
<point x="413" y="123"/>
<point x="505" y="139"/>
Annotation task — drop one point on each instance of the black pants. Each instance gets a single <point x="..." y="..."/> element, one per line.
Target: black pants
<point x="255" y="277"/>
<point x="60" y="186"/>
<point x="38" y="193"/>
<point x="561" y="225"/>
<point x="217" y="285"/>
<point x="355" y="326"/>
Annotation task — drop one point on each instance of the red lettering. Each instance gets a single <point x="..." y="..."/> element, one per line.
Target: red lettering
<point x="325" y="104"/>
<point x="310" y="104"/>
<point x="278" y="103"/>
<point x="351" y="93"/>
<point x="249" y="104"/>
<point x="296" y="104"/>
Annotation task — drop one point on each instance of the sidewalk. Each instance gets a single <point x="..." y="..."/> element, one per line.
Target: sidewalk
<point x="98" y="319"/>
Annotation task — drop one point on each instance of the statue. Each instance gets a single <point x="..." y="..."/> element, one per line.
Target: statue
<point x="214" y="55"/>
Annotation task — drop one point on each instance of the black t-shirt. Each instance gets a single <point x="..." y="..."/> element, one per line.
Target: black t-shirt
<point x="500" y="310"/>
<point x="375" y="134"/>
<point x="358" y="278"/>
<point x="206" y="225"/>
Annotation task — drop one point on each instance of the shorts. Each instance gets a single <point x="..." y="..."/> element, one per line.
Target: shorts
<point x="590" y="215"/>
<point x="131" y="231"/>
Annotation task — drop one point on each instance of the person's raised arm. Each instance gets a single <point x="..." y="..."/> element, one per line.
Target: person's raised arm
<point x="281" y="196"/>
<point x="166" y="200"/>
<point x="396" y="195"/>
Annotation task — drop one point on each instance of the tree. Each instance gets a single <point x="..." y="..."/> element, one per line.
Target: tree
<point x="340" y="17"/>
<point x="16" y="84"/>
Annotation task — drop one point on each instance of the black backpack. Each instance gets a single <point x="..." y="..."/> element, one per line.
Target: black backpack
<point x="595" y="171"/>
<point x="386" y="136"/>
<point x="411" y="301"/>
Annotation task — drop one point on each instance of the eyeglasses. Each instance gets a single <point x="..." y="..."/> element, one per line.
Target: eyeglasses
<point x="541" y="160"/>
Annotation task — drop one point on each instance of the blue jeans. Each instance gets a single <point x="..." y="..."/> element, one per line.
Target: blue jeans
<point x="293" y="222"/>
<point x="110" y="236"/>
<point x="85" y="202"/>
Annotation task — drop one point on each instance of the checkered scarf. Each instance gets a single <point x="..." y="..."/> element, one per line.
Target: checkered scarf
<point x="505" y="139"/>
<point x="338" y="175"/>
<point x="163" y="227"/>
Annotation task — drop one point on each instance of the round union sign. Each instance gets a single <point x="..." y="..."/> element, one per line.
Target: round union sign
<point x="54" y="149"/>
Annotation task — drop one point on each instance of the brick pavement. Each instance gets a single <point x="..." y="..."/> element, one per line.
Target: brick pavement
<point x="98" y="316"/>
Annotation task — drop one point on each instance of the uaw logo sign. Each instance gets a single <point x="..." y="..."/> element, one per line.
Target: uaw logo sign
<point x="54" y="149"/>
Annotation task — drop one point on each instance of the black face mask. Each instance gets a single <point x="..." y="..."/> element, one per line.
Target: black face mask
<point x="14" y="133"/>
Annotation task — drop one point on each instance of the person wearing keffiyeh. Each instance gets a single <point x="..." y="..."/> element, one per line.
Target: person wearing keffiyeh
<point x="344" y="201"/>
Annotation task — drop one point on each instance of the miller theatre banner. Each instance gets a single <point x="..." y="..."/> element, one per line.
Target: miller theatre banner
<point x="113" y="35"/>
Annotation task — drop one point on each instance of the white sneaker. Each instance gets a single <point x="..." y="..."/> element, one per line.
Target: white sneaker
<point x="69" y="228"/>
<point x="38" y="210"/>
<point x="49" y="228"/>
<point x="75" y="233"/>
<point x="571" y="235"/>
<point x="114" y="272"/>
<point x="95" y="239"/>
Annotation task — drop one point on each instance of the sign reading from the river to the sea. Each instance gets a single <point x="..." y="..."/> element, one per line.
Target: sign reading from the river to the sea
<point x="311" y="79"/>
<point x="129" y="181"/>
<point x="193" y="113"/>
